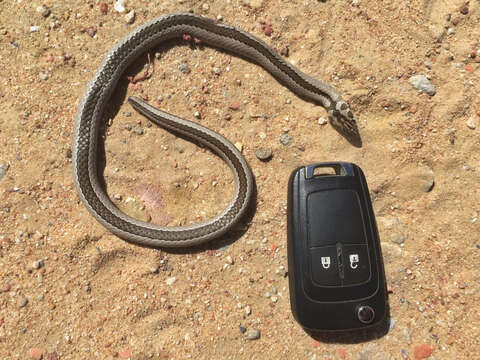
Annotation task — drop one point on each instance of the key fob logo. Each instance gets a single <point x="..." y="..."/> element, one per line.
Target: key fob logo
<point x="326" y="262"/>
<point x="353" y="261"/>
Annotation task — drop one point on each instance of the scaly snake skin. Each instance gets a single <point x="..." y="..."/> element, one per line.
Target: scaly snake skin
<point x="91" y="114"/>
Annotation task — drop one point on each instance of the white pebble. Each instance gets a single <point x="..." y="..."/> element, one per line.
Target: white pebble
<point x="33" y="28"/>
<point x="170" y="281"/>
<point x="248" y="310"/>
<point x="119" y="6"/>
<point x="130" y="17"/>
<point x="229" y="260"/>
<point x="471" y="123"/>
<point x="322" y="121"/>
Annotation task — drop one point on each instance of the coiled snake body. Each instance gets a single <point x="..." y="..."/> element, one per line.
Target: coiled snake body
<point x="92" y="107"/>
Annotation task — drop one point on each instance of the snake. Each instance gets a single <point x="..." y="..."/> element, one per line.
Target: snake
<point x="90" y="117"/>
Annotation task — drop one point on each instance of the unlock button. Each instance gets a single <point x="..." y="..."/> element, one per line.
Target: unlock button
<point x="356" y="264"/>
<point x="324" y="266"/>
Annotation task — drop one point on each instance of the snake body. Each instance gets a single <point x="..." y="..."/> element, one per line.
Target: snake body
<point x="90" y="115"/>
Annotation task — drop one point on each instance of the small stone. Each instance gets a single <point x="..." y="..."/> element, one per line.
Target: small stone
<point x="464" y="9"/>
<point x="205" y="7"/>
<point x="217" y="71"/>
<point x="22" y="302"/>
<point x="229" y="260"/>
<point x="154" y="269"/>
<point x="6" y="287"/>
<point x="127" y="113"/>
<point x="125" y="353"/>
<point x="471" y="124"/>
<point x="130" y="17"/>
<point x="286" y="139"/>
<point x="197" y="114"/>
<point x="43" y="10"/>
<point x="33" y="28"/>
<point x="36" y="353"/>
<point x="52" y="356"/>
<point x="421" y="83"/>
<point x="253" y="335"/>
<point x="3" y="170"/>
<point x="183" y="67"/>
<point x="422" y="351"/>
<point x="235" y="105"/>
<point x="36" y="265"/>
<point x="248" y="310"/>
<point x="170" y="281"/>
<point x="43" y="76"/>
<point x="138" y="130"/>
<point x="239" y="146"/>
<point x="397" y="238"/>
<point x="128" y="127"/>
<point x="264" y="154"/>
<point x="450" y="31"/>
<point x="119" y="6"/>
<point x="117" y="197"/>
<point x="243" y="329"/>
<point x="103" y="8"/>
<point x="322" y="121"/>
<point x="274" y="299"/>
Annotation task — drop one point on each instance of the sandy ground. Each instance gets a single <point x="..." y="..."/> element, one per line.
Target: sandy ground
<point x="71" y="290"/>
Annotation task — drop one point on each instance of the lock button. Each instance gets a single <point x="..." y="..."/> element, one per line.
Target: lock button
<point x="324" y="266"/>
<point x="356" y="264"/>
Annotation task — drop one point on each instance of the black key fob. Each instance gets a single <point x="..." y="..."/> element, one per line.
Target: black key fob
<point x="335" y="266"/>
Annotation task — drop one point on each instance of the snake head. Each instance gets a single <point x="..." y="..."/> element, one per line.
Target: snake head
<point x="342" y="119"/>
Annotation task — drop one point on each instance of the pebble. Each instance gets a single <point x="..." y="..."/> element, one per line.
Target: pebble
<point x="422" y="351"/>
<point x="217" y="71"/>
<point x="127" y="113"/>
<point x="43" y="10"/>
<point x="264" y="154"/>
<point x="471" y="124"/>
<point x="6" y="287"/>
<point x="392" y="324"/>
<point x="22" y="302"/>
<point x="33" y="28"/>
<point x="3" y="170"/>
<point x="322" y="121"/>
<point x="170" y="281"/>
<point x="154" y="269"/>
<point x="235" y="105"/>
<point x="197" y="114"/>
<point x="128" y="127"/>
<point x="37" y="264"/>
<point x="103" y="8"/>
<point x="248" y="310"/>
<point x="205" y="7"/>
<point x="119" y="6"/>
<point x="43" y="76"/>
<point x="36" y="353"/>
<point x="243" y="329"/>
<point x="138" y="130"/>
<point x="253" y="335"/>
<point x="130" y="17"/>
<point x="239" y="146"/>
<point x="421" y="83"/>
<point x="397" y="238"/>
<point x="184" y="68"/>
<point x="286" y="139"/>
<point x="229" y="260"/>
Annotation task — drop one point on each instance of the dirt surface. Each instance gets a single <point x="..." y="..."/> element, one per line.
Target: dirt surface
<point x="69" y="289"/>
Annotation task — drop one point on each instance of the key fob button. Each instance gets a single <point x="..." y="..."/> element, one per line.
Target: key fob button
<point x="324" y="266"/>
<point x="356" y="264"/>
<point x="335" y="216"/>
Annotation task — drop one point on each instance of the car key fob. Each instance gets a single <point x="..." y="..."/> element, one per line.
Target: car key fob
<point x="335" y="266"/>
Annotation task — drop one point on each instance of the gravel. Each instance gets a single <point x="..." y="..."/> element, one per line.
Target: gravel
<point x="243" y="329"/>
<point x="253" y="335"/>
<point x="471" y="123"/>
<point x="119" y="6"/>
<point x="286" y="139"/>
<point x="170" y="281"/>
<point x="138" y="130"/>
<point x="184" y="68"/>
<point x="130" y="17"/>
<point x="322" y="121"/>
<point x="43" y="76"/>
<point x="264" y="154"/>
<point x="22" y="302"/>
<point x="397" y="238"/>
<point x="3" y="170"/>
<point x="422" y="84"/>
<point x="43" y="10"/>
